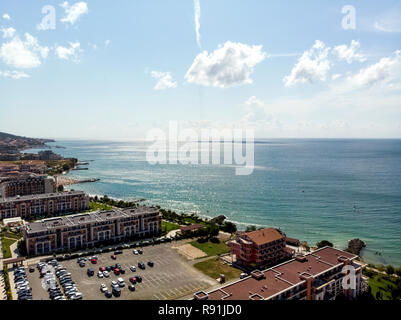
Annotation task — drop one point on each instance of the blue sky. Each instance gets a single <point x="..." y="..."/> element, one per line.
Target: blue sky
<point x="283" y="68"/>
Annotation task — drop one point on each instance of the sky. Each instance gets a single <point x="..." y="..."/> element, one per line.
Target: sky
<point x="286" y="69"/>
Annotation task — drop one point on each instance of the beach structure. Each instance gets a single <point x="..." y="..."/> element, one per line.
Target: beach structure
<point x="89" y="229"/>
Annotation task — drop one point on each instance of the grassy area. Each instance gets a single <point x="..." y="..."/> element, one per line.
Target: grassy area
<point x="95" y="206"/>
<point x="169" y="226"/>
<point x="383" y="287"/>
<point x="6" y="243"/>
<point x="210" y="248"/>
<point x="213" y="268"/>
<point x="11" y="235"/>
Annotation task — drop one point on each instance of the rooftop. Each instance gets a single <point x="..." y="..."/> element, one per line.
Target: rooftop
<point x="282" y="277"/>
<point x="85" y="218"/>
<point x="263" y="236"/>
<point x="42" y="196"/>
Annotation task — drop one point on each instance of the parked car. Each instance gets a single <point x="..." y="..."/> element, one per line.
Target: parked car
<point x="122" y="271"/>
<point x="106" y="274"/>
<point x="140" y="251"/>
<point x="108" y="294"/>
<point x="31" y="269"/>
<point x="117" y="271"/>
<point x="103" y="288"/>
<point x="138" y="279"/>
<point x="116" y="291"/>
<point x="131" y="287"/>
<point x="100" y="274"/>
<point x="90" y="272"/>
<point x="118" y="252"/>
<point x="243" y="275"/>
<point x="150" y="263"/>
<point x="141" y="265"/>
<point x="102" y="269"/>
<point x="132" y="268"/>
<point x="135" y="252"/>
<point x="113" y="257"/>
<point x="94" y="261"/>
<point x="132" y="280"/>
<point x="121" y="282"/>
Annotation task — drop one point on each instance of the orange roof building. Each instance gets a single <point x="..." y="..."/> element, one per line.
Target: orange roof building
<point x="263" y="247"/>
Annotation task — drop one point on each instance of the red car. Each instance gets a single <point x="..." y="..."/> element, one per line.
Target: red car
<point x="102" y="269"/>
<point x="113" y="257"/>
<point x="117" y="271"/>
<point x="132" y="280"/>
<point x="94" y="261"/>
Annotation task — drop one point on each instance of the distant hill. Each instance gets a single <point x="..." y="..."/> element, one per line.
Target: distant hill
<point x="34" y="141"/>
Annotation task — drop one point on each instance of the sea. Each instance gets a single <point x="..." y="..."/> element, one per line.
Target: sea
<point x="313" y="189"/>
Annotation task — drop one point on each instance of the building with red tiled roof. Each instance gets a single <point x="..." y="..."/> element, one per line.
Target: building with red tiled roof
<point x="319" y="275"/>
<point x="262" y="247"/>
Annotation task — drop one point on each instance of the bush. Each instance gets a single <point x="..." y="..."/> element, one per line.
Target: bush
<point x="324" y="243"/>
<point x="390" y="270"/>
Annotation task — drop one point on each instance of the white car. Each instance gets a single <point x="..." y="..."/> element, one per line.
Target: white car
<point x="100" y="274"/>
<point x="132" y="268"/>
<point x="121" y="282"/>
<point x="136" y="252"/>
<point x="103" y="288"/>
<point x="114" y="284"/>
<point x="106" y="274"/>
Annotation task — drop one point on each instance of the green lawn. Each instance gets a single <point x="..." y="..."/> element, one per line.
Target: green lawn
<point x="169" y="226"/>
<point x="95" y="206"/>
<point x="6" y="243"/>
<point x="381" y="287"/>
<point x="213" y="268"/>
<point x="212" y="249"/>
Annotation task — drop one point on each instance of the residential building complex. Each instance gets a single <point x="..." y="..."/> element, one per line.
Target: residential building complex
<point x="79" y="231"/>
<point x="40" y="205"/>
<point x="26" y="184"/>
<point x="260" y="248"/>
<point x="319" y="275"/>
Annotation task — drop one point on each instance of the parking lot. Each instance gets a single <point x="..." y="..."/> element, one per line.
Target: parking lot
<point x="171" y="277"/>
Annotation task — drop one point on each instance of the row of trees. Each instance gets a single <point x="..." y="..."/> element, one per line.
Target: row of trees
<point x="7" y="283"/>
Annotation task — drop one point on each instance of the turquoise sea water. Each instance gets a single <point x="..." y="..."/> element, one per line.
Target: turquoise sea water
<point x="312" y="189"/>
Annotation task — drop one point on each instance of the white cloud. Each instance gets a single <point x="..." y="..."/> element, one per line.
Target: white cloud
<point x="254" y="101"/>
<point x="197" y="21"/>
<point x="73" y="12"/>
<point x="107" y="43"/>
<point x="312" y="66"/>
<point x="70" y="53"/>
<point x="335" y="76"/>
<point x="229" y="65"/>
<point x="349" y="53"/>
<point x="6" y="16"/>
<point x="23" y="54"/>
<point x="8" y="32"/>
<point x="389" y="22"/>
<point x="16" y="75"/>
<point x="165" y="80"/>
<point x="386" y="69"/>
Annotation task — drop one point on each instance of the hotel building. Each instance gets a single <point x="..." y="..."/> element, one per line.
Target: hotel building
<point x="40" y="205"/>
<point x="262" y="247"/>
<point x="82" y="230"/>
<point x="319" y="275"/>
<point x="26" y="184"/>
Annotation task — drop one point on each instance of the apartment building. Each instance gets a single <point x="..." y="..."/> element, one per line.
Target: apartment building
<point x="319" y="275"/>
<point x="39" y="205"/>
<point x="261" y="248"/>
<point x="26" y="184"/>
<point x="89" y="229"/>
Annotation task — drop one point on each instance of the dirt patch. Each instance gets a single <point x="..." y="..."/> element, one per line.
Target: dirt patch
<point x="190" y="252"/>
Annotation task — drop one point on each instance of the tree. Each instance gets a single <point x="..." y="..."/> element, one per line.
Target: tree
<point x="324" y="243"/>
<point x="390" y="269"/>
<point x="250" y="228"/>
<point x="60" y="188"/>
<point x="229" y="227"/>
<point x="66" y="167"/>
